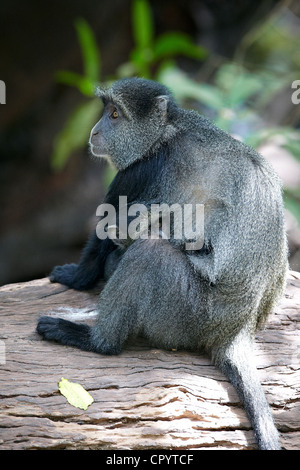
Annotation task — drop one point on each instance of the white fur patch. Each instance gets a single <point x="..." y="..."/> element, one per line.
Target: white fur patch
<point x="74" y="314"/>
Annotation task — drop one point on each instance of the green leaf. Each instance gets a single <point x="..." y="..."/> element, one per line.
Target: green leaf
<point x="76" y="132"/>
<point x="292" y="202"/>
<point x="170" y="44"/>
<point x="75" y="394"/>
<point x="183" y="87"/>
<point x="237" y="84"/>
<point x="141" y="59"/>
<point x="128" y="69"/>
<point x="255" y="139"/>
<point x="292" y="145"/>
<point x="89" y="49"/>
<point x="83" y="84"/>
<point x="142" y="24"/>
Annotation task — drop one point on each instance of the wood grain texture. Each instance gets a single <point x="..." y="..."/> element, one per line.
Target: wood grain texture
<point x="144" y="398"/>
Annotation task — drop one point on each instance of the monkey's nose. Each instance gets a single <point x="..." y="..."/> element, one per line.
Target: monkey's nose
<point x="93" y="135"/>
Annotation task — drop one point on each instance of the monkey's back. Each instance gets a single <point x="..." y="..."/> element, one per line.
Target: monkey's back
<point x="244" y="260"/>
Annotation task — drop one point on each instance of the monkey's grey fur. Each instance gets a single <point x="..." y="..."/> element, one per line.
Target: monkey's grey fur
<point x="209" y="300"/>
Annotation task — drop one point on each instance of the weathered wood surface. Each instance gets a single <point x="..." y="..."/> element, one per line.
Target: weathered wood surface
<point x="145" y="398"/>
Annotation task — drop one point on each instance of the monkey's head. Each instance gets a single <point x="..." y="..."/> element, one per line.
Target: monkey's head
<point x="138" y="116"/>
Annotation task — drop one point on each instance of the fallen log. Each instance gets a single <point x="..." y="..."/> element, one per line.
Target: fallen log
<point x="144" y="398"/>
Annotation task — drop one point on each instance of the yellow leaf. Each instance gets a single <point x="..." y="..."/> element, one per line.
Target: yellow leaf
<point x="75" y="394"/>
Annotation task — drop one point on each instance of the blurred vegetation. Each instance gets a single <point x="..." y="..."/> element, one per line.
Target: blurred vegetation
<point x="235" y="96"/>
<point x="76" y="131"/>
<point x="149" y="53"/>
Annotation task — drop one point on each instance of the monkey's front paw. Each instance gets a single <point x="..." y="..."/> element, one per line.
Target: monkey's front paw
<point x="64" y="274"/>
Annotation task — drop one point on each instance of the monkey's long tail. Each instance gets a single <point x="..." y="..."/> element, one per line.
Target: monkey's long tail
<point x="235" y="362"/>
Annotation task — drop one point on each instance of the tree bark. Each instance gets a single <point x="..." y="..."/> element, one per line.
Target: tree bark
<point x="144" y="398"/>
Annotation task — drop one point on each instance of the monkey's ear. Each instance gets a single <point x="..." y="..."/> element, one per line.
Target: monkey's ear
<point x="162" y="104"/>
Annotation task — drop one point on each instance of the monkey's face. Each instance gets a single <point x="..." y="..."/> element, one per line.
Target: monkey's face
<point x="103" y="130"/>
<point x="134" y="120"/>
<point x="124" y="138"/>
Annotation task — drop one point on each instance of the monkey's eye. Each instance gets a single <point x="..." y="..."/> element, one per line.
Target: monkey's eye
<point x="114" y="114"/>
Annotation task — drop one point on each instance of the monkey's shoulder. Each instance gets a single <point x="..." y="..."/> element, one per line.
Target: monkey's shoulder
<point x="215" y="144"/>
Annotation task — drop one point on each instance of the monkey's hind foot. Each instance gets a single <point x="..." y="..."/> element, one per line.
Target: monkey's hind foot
<point x="65" y="332"/>
<point x="75" y="334"/>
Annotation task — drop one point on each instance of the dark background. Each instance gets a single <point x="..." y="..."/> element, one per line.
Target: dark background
<point x="46" y="215"/>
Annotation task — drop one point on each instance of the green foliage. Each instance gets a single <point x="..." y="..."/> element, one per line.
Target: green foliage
<point x="235" y="101"/>
<point x="91" y="62"/>
<point x="148" y="53"/>
<point x="76" y="132"/>
<point x="235" y="98"/>
<point x="185" y="88"/>
<point x="233" y="94"/>
<point x="291" y="199"/>
<point x="173" y="44"/>
<point x="292" y="195"/>
<point x="84" y="85"/>
<point x="143" y="30"/>
<point x="89" y="49"/>
<point x="77" y="129"/>
<point x="273" y="46"/>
